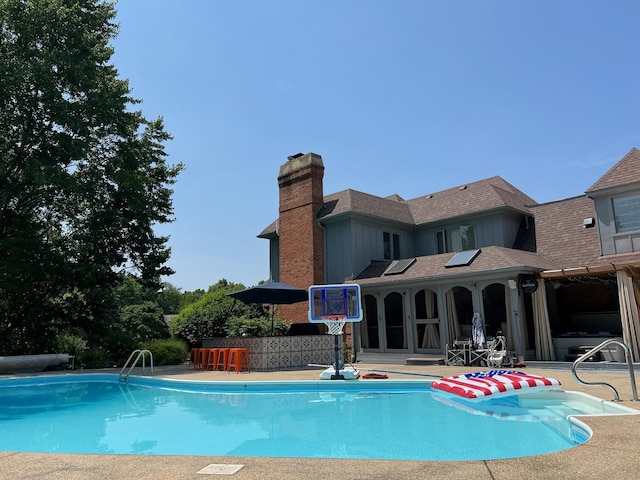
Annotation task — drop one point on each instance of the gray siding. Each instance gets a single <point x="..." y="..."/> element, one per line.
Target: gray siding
<point x="352" y="245"/>
<point x="492" y="230"/>
<point x="367" y="245"/>
<point x="606" y="224"/>
<point x="610" y="241"/>
<point x="338" y="256"/>
<point x="510" y="227"/>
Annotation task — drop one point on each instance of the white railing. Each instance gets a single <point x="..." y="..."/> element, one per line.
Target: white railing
<point x="138" y="354"/>
<point x="627" y="354"/>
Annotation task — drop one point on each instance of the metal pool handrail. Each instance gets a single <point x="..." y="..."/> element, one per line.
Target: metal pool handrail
<point x="596" y="349"/>
<point x="123" y="377"/>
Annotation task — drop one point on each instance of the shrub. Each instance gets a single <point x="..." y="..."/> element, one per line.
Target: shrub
<point x="72" y="344"/>
<point x="209" y="316"/>
<point x="94" y="358"/>
<point x="145" y="321"/>
<point x="170" y="351"/>
<point x="254" y="326"/>
<point x="118" y="346"/>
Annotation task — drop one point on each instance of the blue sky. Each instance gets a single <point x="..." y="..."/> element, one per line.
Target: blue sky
<point x="407" y="97"/>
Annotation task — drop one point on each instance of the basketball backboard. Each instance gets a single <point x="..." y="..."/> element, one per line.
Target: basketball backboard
<point x="331" y="301"/>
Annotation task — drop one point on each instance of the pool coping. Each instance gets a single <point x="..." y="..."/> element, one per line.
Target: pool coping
<point x="611" y="453"/>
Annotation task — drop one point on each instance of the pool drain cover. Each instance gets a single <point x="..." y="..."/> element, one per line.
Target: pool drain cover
<point x="220" y="469"/>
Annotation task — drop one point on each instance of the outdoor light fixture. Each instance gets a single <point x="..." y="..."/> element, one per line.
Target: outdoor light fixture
<point x="589" y="222"/>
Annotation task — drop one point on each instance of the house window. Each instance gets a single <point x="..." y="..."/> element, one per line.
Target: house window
<point x="456" y="239"/>
<point x="441" y="241"/>
<point x="391" y="243"/>
<point x="468" y="237"/>
<point x="626" y="212"/>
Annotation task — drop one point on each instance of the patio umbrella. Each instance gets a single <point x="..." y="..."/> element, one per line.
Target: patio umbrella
<point x="272" y="293"/>
<point x="477" y="332"/>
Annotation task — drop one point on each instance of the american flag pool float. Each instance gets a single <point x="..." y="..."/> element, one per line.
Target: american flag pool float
<point x="481" y="385"/>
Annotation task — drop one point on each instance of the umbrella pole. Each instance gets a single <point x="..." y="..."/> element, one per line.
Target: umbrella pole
<point x="272" y="312"/>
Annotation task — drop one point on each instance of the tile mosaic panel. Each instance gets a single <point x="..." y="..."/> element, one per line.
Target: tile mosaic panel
<point x="280" y="353"/>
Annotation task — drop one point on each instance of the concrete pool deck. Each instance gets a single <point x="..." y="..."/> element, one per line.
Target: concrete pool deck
<point x="612" y="453"/>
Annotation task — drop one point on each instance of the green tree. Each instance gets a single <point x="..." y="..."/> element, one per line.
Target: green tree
<point x="130" y="291"/>
<point x="169" y="298"/>
<point x="188" y="298"/>
<point x="145" y="322"/>
<point x="210" y="316"/>
<point x="83" y="176"/>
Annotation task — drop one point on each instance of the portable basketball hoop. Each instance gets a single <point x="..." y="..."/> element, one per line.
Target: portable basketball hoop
<point x="335" y="305"/>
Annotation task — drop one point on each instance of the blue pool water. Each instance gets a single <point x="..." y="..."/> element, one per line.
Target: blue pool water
<point x="399" y="420"/>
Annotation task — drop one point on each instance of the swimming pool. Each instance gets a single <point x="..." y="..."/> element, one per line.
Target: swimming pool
<point x="398" y="420"/>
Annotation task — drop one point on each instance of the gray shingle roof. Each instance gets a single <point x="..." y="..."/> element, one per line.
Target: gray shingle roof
<point x="353" y="201"/>
<point x="624" y="172"/>
<point x="483" y="195"/>
<point x="270" y="230"/>
<point x="471" y="198"/>
<point x="560" y="235"/>
<point x="433" y="266"/>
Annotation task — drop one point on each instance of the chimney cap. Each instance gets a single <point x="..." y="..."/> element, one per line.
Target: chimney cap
<point x="300" y="161"/>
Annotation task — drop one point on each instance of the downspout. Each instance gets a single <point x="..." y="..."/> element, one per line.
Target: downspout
<point x="324" y="249"/>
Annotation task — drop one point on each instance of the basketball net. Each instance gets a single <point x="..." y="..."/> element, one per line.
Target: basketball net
<point x="334" y="323"/>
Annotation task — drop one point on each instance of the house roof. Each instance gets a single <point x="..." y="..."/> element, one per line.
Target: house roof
<point x="490" y="259"/>
<point x="270" y="230"/>
<point x="475" y="197"/>
<point x="483" y="195"/>
<point x="392" y="208"/>
<point x="562" y="238"/>
<point x="625" y="172"/>
<point x="560" y="234"/>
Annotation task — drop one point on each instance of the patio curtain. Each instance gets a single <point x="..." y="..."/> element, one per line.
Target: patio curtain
<point x="431" y="339"/>
<point x="510" y="333"/>
<point x="544" y="342"/>
<point x="515" y="325"/>
<point x="627" y="295"/>
<point x="452" y="316"/>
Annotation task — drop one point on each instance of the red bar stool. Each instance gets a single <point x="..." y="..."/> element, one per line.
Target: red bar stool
<point x="212" y="358"/>
<point x="194" y="358"/>
<point x="223" y="358"/>
<point x="238" y="360"/>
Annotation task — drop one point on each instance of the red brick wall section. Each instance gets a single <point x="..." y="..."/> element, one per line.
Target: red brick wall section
<point x="301" y="239"/>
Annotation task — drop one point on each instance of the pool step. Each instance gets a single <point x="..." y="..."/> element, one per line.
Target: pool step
<point x="424" y="361"/>
<point x="400" y="358"/>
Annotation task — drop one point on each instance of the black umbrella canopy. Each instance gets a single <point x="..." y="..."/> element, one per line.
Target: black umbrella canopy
<point x="274" y="293"/>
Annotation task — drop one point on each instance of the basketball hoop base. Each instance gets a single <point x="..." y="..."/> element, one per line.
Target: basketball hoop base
<point x="345" y="373"/>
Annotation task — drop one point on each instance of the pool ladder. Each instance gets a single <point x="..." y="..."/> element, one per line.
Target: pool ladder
<point x="138" y="354"/>
<point x="596" y="349"/>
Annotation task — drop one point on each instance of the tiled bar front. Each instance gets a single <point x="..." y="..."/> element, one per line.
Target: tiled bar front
<point x="280" y="353"/>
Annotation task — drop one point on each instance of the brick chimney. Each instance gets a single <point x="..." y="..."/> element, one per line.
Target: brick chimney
<point x="301" y="239"/>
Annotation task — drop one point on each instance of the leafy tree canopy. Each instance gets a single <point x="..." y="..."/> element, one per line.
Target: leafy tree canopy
<point x="169" y="298"/>
<point x="83" y="175"/>
<point x="210" y="316"/>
